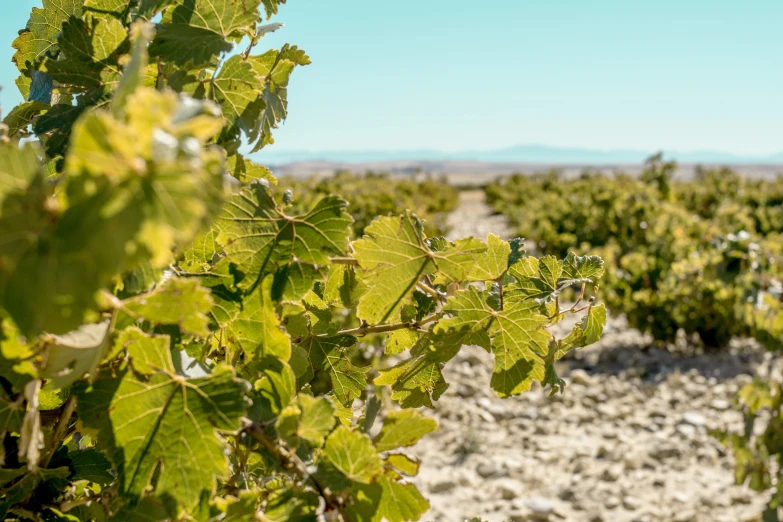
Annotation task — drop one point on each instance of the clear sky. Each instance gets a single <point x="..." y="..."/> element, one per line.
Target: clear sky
<point x="457" y="74"/>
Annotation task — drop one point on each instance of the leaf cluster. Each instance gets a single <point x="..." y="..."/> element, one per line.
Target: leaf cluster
<point x="700" y="256"/>
<point x="173" y="333"/>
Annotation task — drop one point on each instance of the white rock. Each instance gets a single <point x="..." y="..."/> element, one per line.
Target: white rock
<point x="631" y="503"/>
<point x="694" y="418"/>
<point x="509" y="489"/>
<point x="579" y="376"/>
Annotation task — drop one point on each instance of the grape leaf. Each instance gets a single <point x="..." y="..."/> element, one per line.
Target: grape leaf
<point x="92" y="465"/>
<point x="256" y="330"/>
<point x="16" y="357"/>
<point x="519" y="340"/>
<point x="237" y="89"/>
<point x="40" y="37"/>
<point x="164" y="426"/>
<point x="403" y="428"/>
<point x="149" y="354"/>
<point x="275" y="67"/>
<point x="583" y="267"/>
<point x="178" y="301"/>
<point x="493" y="263"/>
<point x="89" y="49"/>
<point x="329" y="355"/>
<point x="353" y="454"/>
<point x="585" y="332"/>
<point x="273" y="391"/>
<point x="21" y="117"/>
<point x="245" y="170"/>
<point x="208" y="23"/>
<point x="394" y="256"/>
<point x="400" y="502"/>
<point x="415" y="382"/>
<point x="258" y="237"/>
<point x="403" y="464"/>
<point x="531" y="282"/>
<point x="291" y="504"/>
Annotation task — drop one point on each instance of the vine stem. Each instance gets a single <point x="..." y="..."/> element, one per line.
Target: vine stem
<point x="288" y="461"/>
<point x="366" y="329"/>
<point x="60" y="429"/>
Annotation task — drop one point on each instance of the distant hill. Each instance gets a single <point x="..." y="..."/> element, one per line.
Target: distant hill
<point x="527" y="154"/>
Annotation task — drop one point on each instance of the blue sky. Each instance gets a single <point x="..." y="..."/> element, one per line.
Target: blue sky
<point x="455" y="75"/>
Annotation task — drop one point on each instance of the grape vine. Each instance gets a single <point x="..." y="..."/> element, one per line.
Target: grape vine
<point x="177" y="342"/>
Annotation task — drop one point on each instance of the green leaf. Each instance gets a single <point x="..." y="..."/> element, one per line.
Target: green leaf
<point x="400" y="502"/>
<point x="90" y="49"/>
<point x="149" y="354"/>
<point x="21" y="117"/>
<point x="531" y="283"/>
<point x="113" y="7"/>
<point x="403" y="428"/>
<point x="19" y="168"/>
<point x="291" y="504"/>
<point x="257" y="330"/>
<point x="210" y="24"/>
<point x="182" y="449"/>
<point x="11" y="414"/>
<point x="246" y="171"/>
<point x="295" y="280"/>
<point x="353" y="454"/>
<point x="258" y="237"/>
<point x="519" y="340"/>
<point x="16" y="357"/>
<point x="493" y="263"/>
<point x="237" y="509"/>
<point x="39" y="39"/>
<point x="330" y="355"/>
<point x="275" y="67"/>
<point x="273" y="391"/>
<point x="92" y="465"/>
<point x="271" y="6"/>
<point x="237" y="89"/>
<point x="583" y="267"/>
<point x="340" y="285"/>
<point x="55" y="126"/>
<point x="417" y="381"/>
<point x="394" y="256"/>
<point x="399" y="341"/>
<point x="316" y="420"/>
<point x="23" y="489"/>
<point x="178" y="301"/>
<point x="403" y="464"/>
<point x="586" y="332"/>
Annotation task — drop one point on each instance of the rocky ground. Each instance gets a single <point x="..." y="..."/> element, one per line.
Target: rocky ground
<point x="627" y="441"/>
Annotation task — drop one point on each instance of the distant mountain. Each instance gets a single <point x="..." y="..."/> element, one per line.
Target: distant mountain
<point x="518" y="154"/>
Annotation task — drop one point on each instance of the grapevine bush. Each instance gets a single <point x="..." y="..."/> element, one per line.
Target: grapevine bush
<point x="701" y="257"/>
<point x="374" y="195"/>
<point x="178" y="342"/>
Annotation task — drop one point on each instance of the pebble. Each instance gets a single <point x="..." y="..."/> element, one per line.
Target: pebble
<point x="540" y="506"/>
<point x="631" y="503"/>
<point x="442" y="486"/>
<point x="488" y="469"/>
<point x="509" y="489"/>
<point x="694" y="419"/>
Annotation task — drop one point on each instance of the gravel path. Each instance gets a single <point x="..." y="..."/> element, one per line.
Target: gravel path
<point x="627" y="441"/>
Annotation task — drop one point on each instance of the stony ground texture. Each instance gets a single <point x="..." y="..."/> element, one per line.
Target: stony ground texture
<point x="627" y="441"/>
